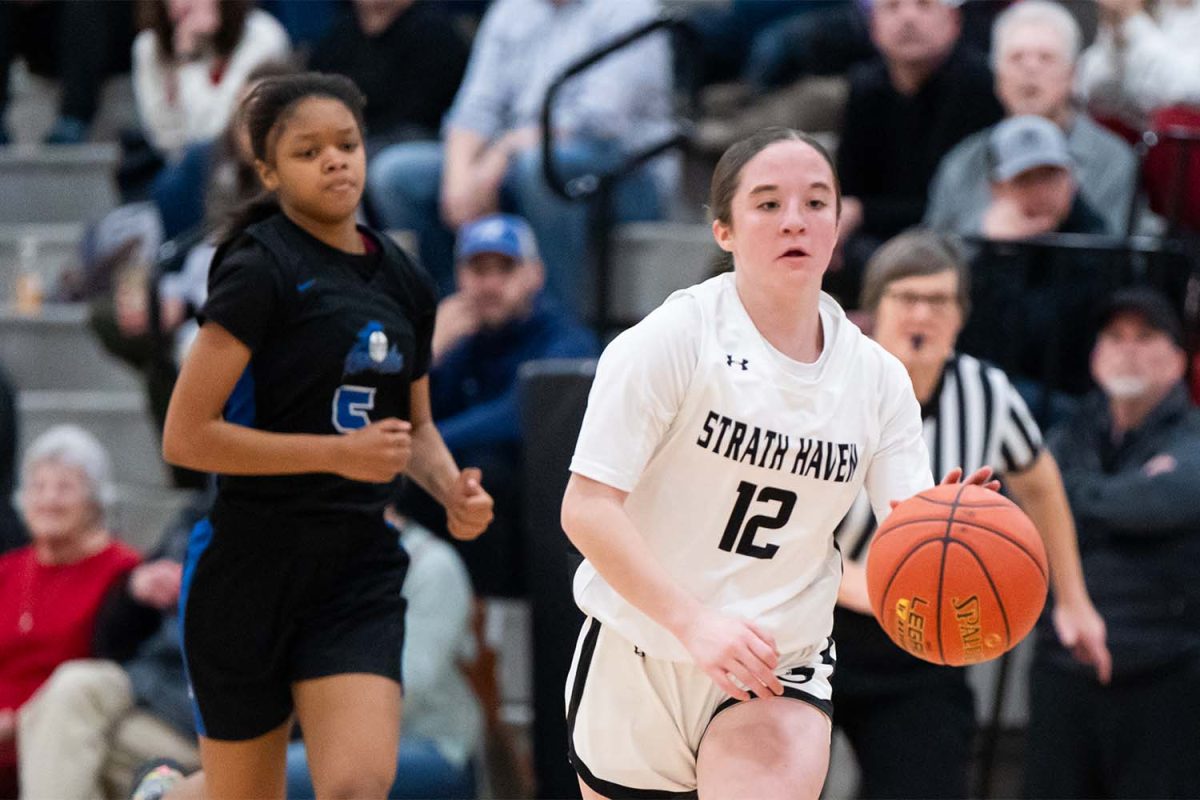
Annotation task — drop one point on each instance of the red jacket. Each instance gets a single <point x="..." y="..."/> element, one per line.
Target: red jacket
<point x="48" y="615"/>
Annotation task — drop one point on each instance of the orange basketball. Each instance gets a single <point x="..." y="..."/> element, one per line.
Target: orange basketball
<point x="957" y="575"/>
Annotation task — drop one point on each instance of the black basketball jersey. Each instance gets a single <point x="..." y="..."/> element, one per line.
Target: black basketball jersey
<point x="336" y="341"/>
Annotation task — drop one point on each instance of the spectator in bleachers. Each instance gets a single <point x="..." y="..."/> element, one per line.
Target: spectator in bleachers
<point x="908" y="107"/>
<point x="1130" y="461"/>
<point x="81" y="43"/>
<point x="190" y="62"/>
<point x="442" y="719"/>
<point x="214" y="176"/>
<point x="490" y="158"/>
<point x="95" y="721"/>
<point x="1033" y="193"/>
<point x="51" y="589"/>
<point x="1034" y="48"/>
<point x="498" y="320"/>
<point x="408" y="58"/>
<point x="12" y="532"/>
<point x="1145" y="57"/>
<point x="1034" y="188"/>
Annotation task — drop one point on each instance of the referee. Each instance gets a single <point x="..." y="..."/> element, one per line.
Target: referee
<point x="911" y="723"/>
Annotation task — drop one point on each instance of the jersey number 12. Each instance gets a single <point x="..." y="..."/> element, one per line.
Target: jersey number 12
<point x="739" y="533"/>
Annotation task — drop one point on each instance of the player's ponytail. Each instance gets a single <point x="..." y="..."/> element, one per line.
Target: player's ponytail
<point x="265" y="112"/>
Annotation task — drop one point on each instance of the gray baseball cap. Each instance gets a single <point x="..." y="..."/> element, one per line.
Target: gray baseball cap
<point x="1023" y="143"/>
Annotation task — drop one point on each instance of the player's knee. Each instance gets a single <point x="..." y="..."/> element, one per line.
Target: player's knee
<point x="352" y="785"/>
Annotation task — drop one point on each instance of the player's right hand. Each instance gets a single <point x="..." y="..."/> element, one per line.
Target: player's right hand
<point x="376" y="453"/>
<point x="730" y="649"/>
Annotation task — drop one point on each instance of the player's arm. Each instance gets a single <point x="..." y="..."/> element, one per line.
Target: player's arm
<point x="852" y="591"/>
<point x="461" y="493"/>
<point x="198" y="437"/>
<point x="595" y="520"/>
<point x="1039" y="491"/>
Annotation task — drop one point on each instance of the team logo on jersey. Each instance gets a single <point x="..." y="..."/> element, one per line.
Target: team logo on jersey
<point x="744" y="363"/>
<point x="377" y="346"/>
<point x="372" y="353"/>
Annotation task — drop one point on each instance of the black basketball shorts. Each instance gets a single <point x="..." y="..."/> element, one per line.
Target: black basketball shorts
<point x="270" y="600"/>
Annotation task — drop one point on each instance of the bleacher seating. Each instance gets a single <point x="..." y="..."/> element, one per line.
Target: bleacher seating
<point x="59" y="184"/>
<point x="652" y="259"/>
<point x="60" y="371"/>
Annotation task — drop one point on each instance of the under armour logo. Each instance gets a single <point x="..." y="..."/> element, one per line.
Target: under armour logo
<point x="742" y="362"/>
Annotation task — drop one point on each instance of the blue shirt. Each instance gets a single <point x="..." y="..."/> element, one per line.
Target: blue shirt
<point x="473" y="388"/>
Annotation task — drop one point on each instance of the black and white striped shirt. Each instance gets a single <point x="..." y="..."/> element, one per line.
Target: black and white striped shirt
<point x="975" y="418"/>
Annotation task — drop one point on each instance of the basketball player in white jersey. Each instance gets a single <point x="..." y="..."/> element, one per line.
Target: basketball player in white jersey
<point x="726" y="435"/>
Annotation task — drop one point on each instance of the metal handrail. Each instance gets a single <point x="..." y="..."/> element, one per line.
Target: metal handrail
<point x="597" y="188"/>
<point x="589" y="184"/>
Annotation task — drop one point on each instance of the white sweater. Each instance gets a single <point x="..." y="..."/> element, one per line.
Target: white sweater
<point x="197" y="109"/>
<point x="1157" y="65"/>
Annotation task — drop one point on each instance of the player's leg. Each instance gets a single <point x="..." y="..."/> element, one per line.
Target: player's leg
<point x="625" y="739"/>
<point x="351" y="727"/>
<point x="586" y="792"/>
<point x="247" y="768"/>
<point x="775" y="747"/>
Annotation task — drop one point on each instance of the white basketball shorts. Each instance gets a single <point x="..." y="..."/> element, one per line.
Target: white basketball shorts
<point x="635" y="722"/>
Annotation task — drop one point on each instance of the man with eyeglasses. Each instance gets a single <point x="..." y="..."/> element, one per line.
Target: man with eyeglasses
<point x="916" y="288"/>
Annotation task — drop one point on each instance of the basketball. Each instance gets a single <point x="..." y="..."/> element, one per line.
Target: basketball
<point x="957" y="575"/>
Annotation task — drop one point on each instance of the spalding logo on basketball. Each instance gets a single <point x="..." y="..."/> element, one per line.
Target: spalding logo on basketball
<point x="957" y="575"/>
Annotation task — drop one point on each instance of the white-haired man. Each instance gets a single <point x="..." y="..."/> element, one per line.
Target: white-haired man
<point x="1035" y="45"/>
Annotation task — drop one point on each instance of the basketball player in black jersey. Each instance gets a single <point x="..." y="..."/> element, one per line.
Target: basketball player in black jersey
<point x="306" y="392"/>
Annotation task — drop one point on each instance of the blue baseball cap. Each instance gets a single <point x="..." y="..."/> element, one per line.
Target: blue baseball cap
<point x="1019" y="144"/>
<point x="505" y="234"/>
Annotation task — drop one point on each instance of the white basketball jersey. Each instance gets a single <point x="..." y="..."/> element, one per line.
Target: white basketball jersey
<point x="740" y="462"/>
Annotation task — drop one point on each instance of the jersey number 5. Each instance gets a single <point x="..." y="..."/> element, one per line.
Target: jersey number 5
<point x="743" y="537"/>
<point x="350" y="407"/>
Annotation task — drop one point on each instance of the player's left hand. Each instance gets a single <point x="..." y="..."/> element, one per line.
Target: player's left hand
<point x="469" y="506"/>
<point x="980" y="477"/>
<point x="1081" y="630"/>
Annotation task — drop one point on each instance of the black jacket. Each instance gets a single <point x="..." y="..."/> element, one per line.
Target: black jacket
<point x="1139" y="533"/>
<point x="891" y="144"/>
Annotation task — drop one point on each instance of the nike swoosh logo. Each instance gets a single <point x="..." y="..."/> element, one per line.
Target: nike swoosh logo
<point x="304" y="287"/>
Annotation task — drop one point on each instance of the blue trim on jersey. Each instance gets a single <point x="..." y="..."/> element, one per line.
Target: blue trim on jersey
<point x="198" y="542"/>
<point x="240" y="407"/>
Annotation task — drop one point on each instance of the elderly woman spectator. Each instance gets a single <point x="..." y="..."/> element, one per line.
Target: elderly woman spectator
<point x="51" y="590"/>
<point x="190" y="62"/>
